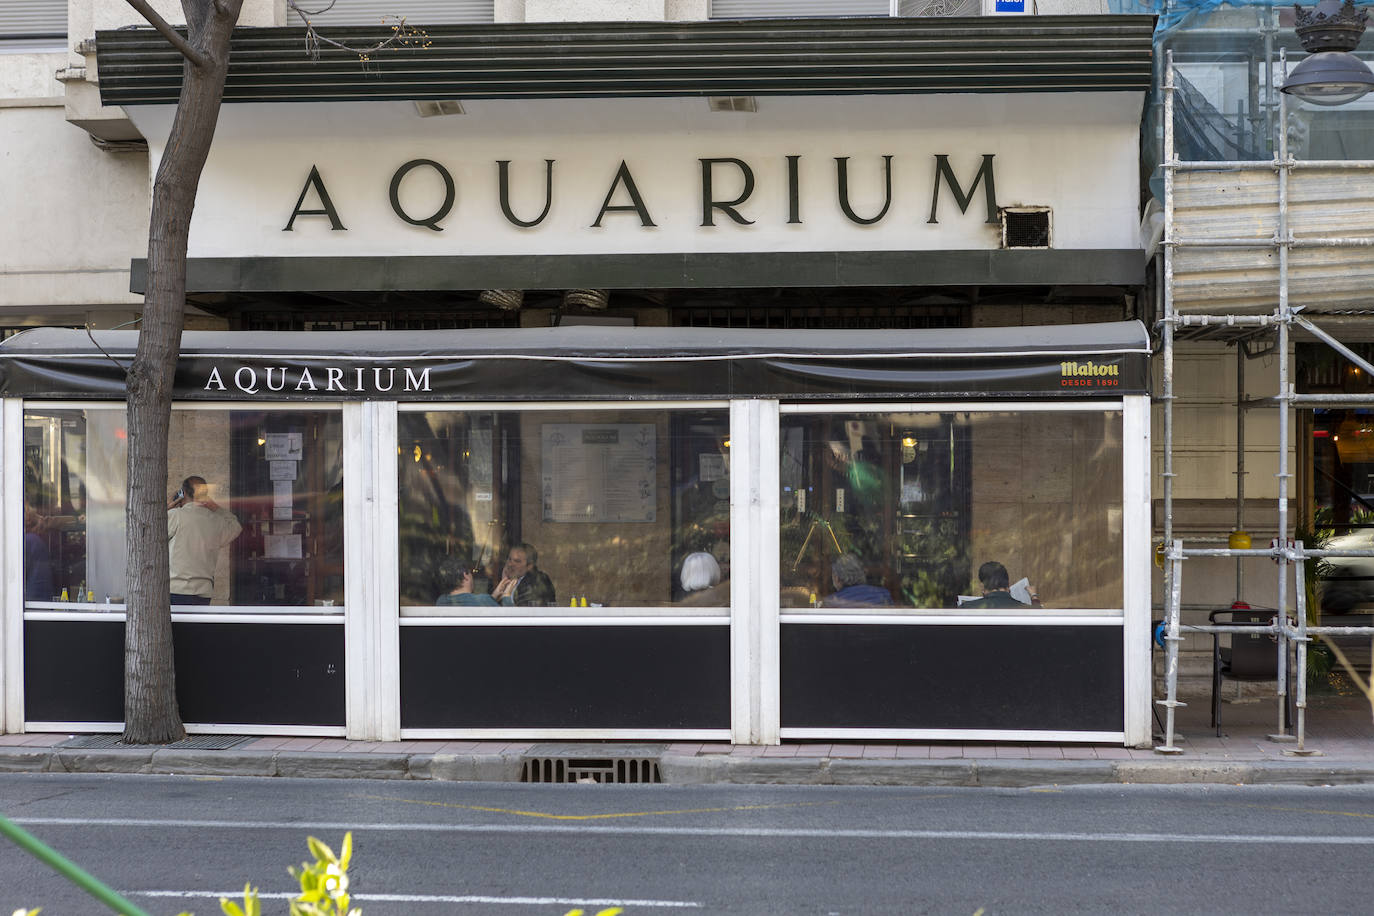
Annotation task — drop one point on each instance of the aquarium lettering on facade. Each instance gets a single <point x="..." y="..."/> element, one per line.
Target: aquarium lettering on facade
<point x="624" y="198"/>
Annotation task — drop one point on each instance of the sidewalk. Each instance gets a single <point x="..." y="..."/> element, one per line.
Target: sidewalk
<point x="1339" y="728"/>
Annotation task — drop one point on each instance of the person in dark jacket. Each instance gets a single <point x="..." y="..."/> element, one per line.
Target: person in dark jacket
<point x="996" y="584"/>
<point x="523" y="583"/>
<point x="851" y="586"/>
<point x="38" y="581"/>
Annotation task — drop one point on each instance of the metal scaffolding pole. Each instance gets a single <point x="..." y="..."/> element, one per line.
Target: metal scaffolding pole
<point x="1291" y="634"/>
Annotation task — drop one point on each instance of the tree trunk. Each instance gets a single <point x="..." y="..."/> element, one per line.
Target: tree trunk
<point x="150" y="706"/>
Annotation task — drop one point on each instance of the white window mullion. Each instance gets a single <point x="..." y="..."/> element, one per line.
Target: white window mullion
<point x="12" y="564"/>
<point x="755" y="677"/>
<point x="1135" y="579"/>
<point x="371" y="615"/>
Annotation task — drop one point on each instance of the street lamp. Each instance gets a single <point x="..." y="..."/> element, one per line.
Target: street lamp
<point x="1330" y="75"/>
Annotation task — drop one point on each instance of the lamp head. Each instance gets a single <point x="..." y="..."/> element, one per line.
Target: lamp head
<point x="1330" y="75"/>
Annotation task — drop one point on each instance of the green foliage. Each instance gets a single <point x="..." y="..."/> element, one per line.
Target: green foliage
<point x="324" y="882"/>
<point x="1319" y="658"/>
<point x="252" y="906"/>
<point x="324" y="885"/>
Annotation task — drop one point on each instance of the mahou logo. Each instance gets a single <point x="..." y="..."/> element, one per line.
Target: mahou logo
<point x="1089" y="374"/>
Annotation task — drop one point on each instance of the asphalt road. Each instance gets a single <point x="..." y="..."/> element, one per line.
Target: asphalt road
<point x="173" y="843"/>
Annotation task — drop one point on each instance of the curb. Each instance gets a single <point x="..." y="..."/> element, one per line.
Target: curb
<point x="703" y="770"/>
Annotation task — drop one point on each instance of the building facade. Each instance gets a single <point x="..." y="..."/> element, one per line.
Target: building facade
<point x="776" y="292"/>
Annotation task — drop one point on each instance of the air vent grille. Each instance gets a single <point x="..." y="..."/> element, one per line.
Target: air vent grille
<point x="590" y="769"/>
<point x="1026" y="227"/>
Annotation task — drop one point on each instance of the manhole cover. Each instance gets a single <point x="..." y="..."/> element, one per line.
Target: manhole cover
<point x="195" y="742"/>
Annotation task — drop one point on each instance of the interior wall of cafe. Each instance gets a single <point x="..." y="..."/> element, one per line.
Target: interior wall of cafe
<point x="1047" y="504"/>
<point x="624" y="564"/>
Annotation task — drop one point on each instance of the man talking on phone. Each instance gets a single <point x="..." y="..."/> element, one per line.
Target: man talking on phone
<point x="197" y="529"/>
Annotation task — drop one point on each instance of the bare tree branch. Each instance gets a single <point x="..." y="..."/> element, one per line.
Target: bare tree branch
<point x="401" y="34"/>
<point x="166" y="31"/>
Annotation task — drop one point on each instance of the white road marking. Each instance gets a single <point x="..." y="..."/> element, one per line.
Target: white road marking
<point x="776" y="832"/>
<point x="431" y="898"/>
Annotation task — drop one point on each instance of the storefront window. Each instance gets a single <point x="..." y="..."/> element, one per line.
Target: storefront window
<point x="586" y="508"/>
<point x="260" y="519"/>
<point x="902" y="510"/>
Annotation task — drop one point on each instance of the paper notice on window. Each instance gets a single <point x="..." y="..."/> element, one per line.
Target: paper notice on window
<point x="712" y="466"/>
<point x="282" y="470"/>
<point x="281" y="512"/>
<point x="284" y="447"/>
<point x="282" y="546"/>
<point x="599" y="472"/>
<point x="282" y="494"/>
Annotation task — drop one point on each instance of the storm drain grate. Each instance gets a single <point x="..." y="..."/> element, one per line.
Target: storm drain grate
<point x="589" y="769"/>
<point x="193" y="743"/>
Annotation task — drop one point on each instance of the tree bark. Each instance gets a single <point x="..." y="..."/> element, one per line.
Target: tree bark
<point x="151" y="715"/>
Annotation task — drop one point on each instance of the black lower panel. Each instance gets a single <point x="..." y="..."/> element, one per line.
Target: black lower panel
<point x="232" y="673"/>
<point x="565" y="677"/>
<point x="1060" y="678"/>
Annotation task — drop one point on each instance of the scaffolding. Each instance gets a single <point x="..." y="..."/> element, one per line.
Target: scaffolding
<point x="1292" y="634"/>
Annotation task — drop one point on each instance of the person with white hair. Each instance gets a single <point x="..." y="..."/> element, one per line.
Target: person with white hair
<point x="701" y="584"/>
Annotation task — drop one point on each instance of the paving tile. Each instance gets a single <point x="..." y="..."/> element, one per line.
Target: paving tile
<point x="299" y="744"/>
<point x="1011" y="751"/>
<point x="1045" y="752"/>
<point x="390" y="747"/>
<point x="913" y="751"/>
<point x="780" y="750"/>
<point x="331" y="744"/>
<point x="813" y="750"/>
<point x="847" y="750"/>
<point x="885" y="751"/>
<point x="747" y="750"/>
<point x="716" y="748"/>
<point x="491" y="747"/>
<point x="458" y="747"/>
<point x="1078" y="752"/>
<point x="1108" y="752"/>
<point x="264" y="744"/>
<point x="690" y="750"/>
<point x="946" y="751"/>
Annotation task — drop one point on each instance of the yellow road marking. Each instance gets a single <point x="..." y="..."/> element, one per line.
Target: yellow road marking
<point x="1305" y="810"/>
<point x="589" y="817"/>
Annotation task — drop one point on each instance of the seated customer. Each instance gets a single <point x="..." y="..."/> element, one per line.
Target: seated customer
<point x="463" y="596"/>
<point x="701" y="583"/>
<point x="851" y="587"/>
<point x="997" y="588"/>
<point x="523" y="583"/>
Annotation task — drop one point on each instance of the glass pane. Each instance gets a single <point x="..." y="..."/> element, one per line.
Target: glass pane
<point x="74" y="484"/>
<point x="905" y="510"/>
<point x="601" y="508"/>
<point x="255" y="518"/>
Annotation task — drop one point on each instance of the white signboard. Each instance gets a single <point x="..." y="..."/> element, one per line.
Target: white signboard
<point x="599" y="472"/>
<point x="648" y="176"/>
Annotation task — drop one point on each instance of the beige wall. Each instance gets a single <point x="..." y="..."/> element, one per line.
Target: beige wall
<point x="1047" y="504"/>
<point x="74" y="217"/>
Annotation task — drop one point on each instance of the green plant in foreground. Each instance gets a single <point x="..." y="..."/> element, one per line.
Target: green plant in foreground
<point x="324" y="885"/>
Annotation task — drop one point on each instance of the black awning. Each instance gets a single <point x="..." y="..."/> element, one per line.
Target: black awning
<point x="759" y="57"/>
<point x="595" y="363"/>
